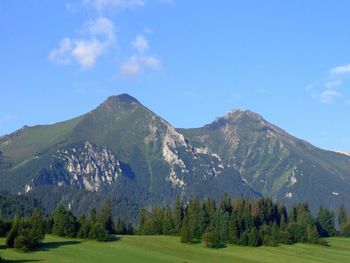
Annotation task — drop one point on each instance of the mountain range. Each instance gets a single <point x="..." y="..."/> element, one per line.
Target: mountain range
<point x="124" y="151"/>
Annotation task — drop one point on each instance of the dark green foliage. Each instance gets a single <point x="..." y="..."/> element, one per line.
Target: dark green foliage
<point x="14" y="231"/>
<point x="64" y="222"/>
<point x="178" y="215"/>
<point x="242" y="222"/>
<point x="254" y="239"/>
<point x="275" y="235"/>
<point x="186" y="233"/>
<point x="37" y="229"/>
<point x="233" y="229"/>
<point x="346" y="230"/>
<point x="12" y="204"/>
<point x="106" y="217"/>
<point x="325" y="222"/>
<point x="27" y="234"/>
<point x="98" y="232"/>
<point x="342" y="217"/>
<point x="297" y="232"/>
<point x="312" y="234"/>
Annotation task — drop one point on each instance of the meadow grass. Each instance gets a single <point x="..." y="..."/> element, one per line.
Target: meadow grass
<point x="153" y="249"/>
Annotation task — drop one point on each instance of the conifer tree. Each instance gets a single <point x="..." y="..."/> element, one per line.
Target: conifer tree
<point x="233" y="230"/>
<point x="105" y="217"/>
<point x="37" y="229"/>
<point x="186" y="233"/>
<point x="178" y="215"/>
<point x="342" y="216"/>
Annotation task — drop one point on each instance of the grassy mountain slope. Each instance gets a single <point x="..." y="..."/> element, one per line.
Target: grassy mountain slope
<point x="274" y="162"/>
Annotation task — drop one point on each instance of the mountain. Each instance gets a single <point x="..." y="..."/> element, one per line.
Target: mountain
<point x="124" y="151"/>
<point x="275" y="163"/>
<point x="343" y="152"/>
<point x="121" y="150"/>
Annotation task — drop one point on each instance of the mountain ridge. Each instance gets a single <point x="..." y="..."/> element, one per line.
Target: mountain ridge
<point x="122" y="149"/>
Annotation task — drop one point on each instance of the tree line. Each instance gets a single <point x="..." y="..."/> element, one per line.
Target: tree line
<point x="230" y="221"/>
<point x="242" y="222"/>
<point x="27" y="233"/>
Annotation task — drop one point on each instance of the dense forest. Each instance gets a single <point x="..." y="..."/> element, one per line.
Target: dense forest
<point x="242" y="222"/>
<point x="230" y="221"/>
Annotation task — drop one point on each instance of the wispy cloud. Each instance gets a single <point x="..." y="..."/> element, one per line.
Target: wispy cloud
<point x="341" y="70"/>
<point x="330" y="88"/>
<point x="100" y="36"/>
<point x="328" y="96"/>
<point x="102" y="5"/>
<point x="140" y="61"/>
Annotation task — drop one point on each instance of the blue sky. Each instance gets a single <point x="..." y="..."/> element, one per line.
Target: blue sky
<point x="188" y="61"/>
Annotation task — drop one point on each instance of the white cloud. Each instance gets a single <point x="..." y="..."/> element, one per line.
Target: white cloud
<point x="327" y="96"/>
<point x="85" y="52"/>
<point x="140" y="62"/>
<point x="101" y="5"/>
<point x="331" y="87"/>
<point x="140" y="43"/>
<point x="60" y="55"/>
<point x="341" y="70"/>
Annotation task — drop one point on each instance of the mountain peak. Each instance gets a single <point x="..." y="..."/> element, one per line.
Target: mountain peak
<point x="121" y="98"/>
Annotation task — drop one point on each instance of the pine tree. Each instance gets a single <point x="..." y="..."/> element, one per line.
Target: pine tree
<point x="64" y="222"/>
<point x="283" y="222"/>
<point x="142" y="222"/>
<point x="120" y="228"/>
<point x="105" y="217"/>
<point x="178" y="215"/>
<point x="186" y="233"/>
<point x="342" y="217"/>
<point x="254" y="239"/>
<point x="274" y="239"/>
<point x="37" y="229"/>
<point x="14" y="231"/>
<point x="325" y="222"/>
<point x="224" y="226"/>
<point x="233" y="230"/>
<point x="312" y="234"/>
<point x="167" y="224"/>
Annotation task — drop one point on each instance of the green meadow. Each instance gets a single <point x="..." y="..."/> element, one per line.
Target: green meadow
<point x="152" y="249"/>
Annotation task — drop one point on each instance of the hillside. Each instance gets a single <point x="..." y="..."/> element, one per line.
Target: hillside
<point x="124" y="151"/>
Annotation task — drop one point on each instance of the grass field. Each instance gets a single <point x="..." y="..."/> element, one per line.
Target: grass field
<point x="153" y="249"/>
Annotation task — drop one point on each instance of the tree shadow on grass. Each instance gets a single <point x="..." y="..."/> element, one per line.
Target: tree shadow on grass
<point x="53" y="245"/>
<point x="22" y="260"/>
<point x="113" y="238"/>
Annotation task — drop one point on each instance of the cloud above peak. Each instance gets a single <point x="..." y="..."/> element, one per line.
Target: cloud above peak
<point x="140" y="61"/>
<point x="85" y="51"/>
<point x="331" y="87"/>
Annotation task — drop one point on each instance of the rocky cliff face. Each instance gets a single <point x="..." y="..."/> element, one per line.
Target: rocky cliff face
<point x="85" y="166"/>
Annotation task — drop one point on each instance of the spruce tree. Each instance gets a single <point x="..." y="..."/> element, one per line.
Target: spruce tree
<point x="274" y="239"/>
<point x="14" y="231"/>
<point x="342" y="217"/>
<point x="105" y="217"/>
<point x="37" y="229"/>
<point x="254" y="239"/>
<point x="186" y="233"/>
<point x="233" y="229"/>
<point x="178" y="215"/>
